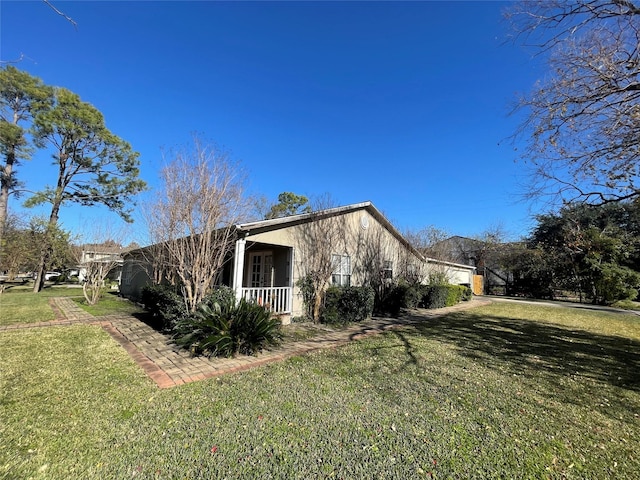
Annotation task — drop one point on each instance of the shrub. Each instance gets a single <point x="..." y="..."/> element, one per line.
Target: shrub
<point x="220" y="294"/>
<point x="399" y="296"/>
<point x="467" y="293"/>
<point x="344" y="305"/>
<point x="438" y="296"/>
<point x="225" y="328"/>
<point x="164" y="304"/>
<point x="391" y="300"/>
<point x="435" y="296"/>
<point x="454" y="295"/>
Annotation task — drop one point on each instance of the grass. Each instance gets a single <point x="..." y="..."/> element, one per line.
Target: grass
<point x="503" y="391"/>
<point x="110" y="304"/>
<point x="627" y="305"/>
<point x="19" y="304"/>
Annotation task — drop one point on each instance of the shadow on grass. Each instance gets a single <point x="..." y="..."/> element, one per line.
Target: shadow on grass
<point x="534" y="348"/>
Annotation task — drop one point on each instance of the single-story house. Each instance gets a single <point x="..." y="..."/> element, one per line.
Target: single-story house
<point x="270" y="256"/>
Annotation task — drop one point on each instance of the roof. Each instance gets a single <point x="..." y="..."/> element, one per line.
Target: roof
<point x="283" y="222"/>
<point x="261" y="226"/>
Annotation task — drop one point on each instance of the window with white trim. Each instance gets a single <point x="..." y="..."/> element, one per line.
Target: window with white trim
<point x="341" y="270"/>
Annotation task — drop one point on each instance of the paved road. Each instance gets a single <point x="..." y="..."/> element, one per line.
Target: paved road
<point x="560" y="304"/>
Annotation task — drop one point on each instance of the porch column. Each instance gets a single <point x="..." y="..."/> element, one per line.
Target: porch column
<point x="238" y="267"/>
<point x="291" y="283"/>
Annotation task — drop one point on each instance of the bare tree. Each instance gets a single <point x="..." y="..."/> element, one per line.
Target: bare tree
<point x="428" y="241"/>
<point x="433" y="243"/>
<point x="319" y="241"/>
<point x="98" y="257"/>
<point x="191" y="220"/>
<point x="582" y="124"/>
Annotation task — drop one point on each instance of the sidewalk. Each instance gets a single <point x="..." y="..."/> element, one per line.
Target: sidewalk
<point x="168" y="365"/>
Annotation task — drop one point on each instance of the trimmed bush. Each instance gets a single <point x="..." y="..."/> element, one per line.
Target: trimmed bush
<point x="344" y="305"/>
<point x="401" y="295"/>
<point x="467" y="293"/>
<point x="439" y="296"/>
<point x="164" y="304"/>
<point x="435" y="296"/>
<point x="225" y="328"/>
<point x="220" y="294"/>
<point x="454" y="295"/>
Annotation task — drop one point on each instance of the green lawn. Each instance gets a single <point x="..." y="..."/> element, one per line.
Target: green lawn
<point x="18" y="304"/>
<point x="109" y="304"/>
<point x="503" y="391"/>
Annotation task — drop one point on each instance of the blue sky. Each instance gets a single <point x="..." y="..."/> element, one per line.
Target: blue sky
<point x="403" y="104"/>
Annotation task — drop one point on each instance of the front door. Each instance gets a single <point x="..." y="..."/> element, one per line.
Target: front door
<point x="261" y="269"/>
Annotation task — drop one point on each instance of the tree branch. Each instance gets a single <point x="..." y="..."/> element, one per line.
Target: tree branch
<point x="62" y="14"/>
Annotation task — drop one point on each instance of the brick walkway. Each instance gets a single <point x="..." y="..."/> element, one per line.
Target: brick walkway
<point x="168" y="366"/>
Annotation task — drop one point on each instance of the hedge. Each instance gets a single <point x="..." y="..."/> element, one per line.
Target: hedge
<point x="344" y="305"/>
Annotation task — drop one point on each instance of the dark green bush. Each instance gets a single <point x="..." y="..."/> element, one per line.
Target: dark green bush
<point x="344" y="305"/>
<point x="399" y="296"/>
<point x="390" y="300"/>
<point x="220" y="294"/>
<point x="413" y="296"/>
<point x="164" y="304"/>
<point x="435" y="296"/>
<point x="225" y="328"/>
<point x="439" y="296"/>
<point x="467" y="293"/>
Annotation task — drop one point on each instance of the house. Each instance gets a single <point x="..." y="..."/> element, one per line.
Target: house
<point x="108" y="253"/>
<point x="485" y="256"/>
<point x="270" y="256"/>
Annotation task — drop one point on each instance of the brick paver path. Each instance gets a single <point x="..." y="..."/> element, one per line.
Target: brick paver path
<point x="168" y="365"/>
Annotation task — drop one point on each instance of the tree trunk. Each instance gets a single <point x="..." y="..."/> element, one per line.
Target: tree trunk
<point x="5" y="186"/>
<point x="38" y="284"/>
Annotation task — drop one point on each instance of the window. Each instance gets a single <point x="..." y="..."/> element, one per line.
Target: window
<point x="387" y="270"/>
<point x="341" y="270"/>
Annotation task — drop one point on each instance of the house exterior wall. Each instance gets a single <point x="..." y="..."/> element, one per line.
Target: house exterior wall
<point x="356" y="234"/>
<point x="134" y="277"/>
<point x="372" y="245"/>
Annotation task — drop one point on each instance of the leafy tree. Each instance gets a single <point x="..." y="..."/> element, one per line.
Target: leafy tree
<point x="531" y="269"/>
<point x="591" y="250"/>
<point x="24" y="242"/>
<point x="21" y="98"/>
<point x="289" y="204"/>
<point x="582" y="123"/>
<point x="16" y="251"/>
<point x="94" y="165"/>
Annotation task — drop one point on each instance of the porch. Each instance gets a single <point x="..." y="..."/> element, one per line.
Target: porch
<point x="263" y="273"/>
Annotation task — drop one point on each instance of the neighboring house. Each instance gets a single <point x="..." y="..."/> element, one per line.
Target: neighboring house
<point x="483" y="255"/>
<point x="270" y="256"/>
<point x="110" y="254"/>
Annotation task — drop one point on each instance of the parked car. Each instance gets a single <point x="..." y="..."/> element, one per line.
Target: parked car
<point x="51" y="275"/>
